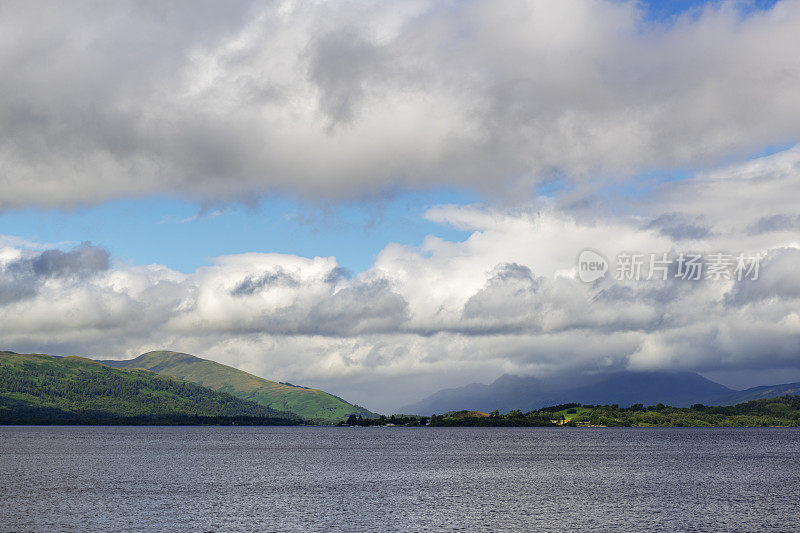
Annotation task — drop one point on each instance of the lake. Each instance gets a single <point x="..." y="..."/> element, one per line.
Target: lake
<point x="398" y="479"/>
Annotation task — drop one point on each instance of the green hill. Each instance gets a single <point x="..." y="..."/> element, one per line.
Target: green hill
<point x="766" y="412"/>
<point x="310" y="404"/>
<point x="36" y="388"/>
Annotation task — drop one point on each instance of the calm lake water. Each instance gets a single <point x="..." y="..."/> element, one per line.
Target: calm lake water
<point x="397" y="479"/>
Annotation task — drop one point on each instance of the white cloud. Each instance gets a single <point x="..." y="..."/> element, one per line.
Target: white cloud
<point x="339" y="100"/>
<point x="444" y="313"/>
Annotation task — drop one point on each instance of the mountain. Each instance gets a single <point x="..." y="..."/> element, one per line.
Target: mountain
<point x="759" y="393"/>
<point x="37" y="388"/>
<point x="310" y="404"/>
<point x="623" y="388"/>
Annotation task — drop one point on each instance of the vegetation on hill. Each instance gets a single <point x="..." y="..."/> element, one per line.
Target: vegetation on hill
<point x="782" y="411"/>
<point x="309" y="404"/>
<point x="41" y="389"/>
<point x="383" y="420"/>
<point x="514" y="418"/>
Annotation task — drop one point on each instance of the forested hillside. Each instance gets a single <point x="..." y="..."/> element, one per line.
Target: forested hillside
<point x="36" y="388"/>
<point x="305" y="402"/>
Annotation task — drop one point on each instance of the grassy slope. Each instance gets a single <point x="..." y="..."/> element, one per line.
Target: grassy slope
<point x="46" y="387"/>
<point x="566" y="415"/>
<point x="310" y="404"/>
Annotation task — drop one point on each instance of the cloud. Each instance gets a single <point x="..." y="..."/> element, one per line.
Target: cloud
<point x="15" y="287"/>
<point x="510" y="301"/>
<point x="19" y="242"/>
<point x="774" y="223"/>
<point x="504" y="300"/>
<point x="342" y="100"/>
<point x="201" y="216"/>
<point x="21" y="277"/>
<point x="679" y="227"/>
<point x="779" y="279"/>
<point x="252" y="285"/>
<point x="368" y="305"/>
<point x="80" y="261"/>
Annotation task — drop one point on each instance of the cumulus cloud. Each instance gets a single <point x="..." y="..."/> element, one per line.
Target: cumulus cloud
<point x="83" y="260"/>
<point x="442" y="313"/>
<point x="21" y="276"/>
<point x="509" y="301"/>
<point x="339" y="100"/>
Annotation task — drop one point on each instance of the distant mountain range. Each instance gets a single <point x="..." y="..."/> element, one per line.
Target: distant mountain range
<point x="678" y="389"/>
<point x="309" y="404"/>
<point x="42" y="389"/>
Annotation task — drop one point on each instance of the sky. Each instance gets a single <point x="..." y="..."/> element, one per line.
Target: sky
<point x="383" y="199"/>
